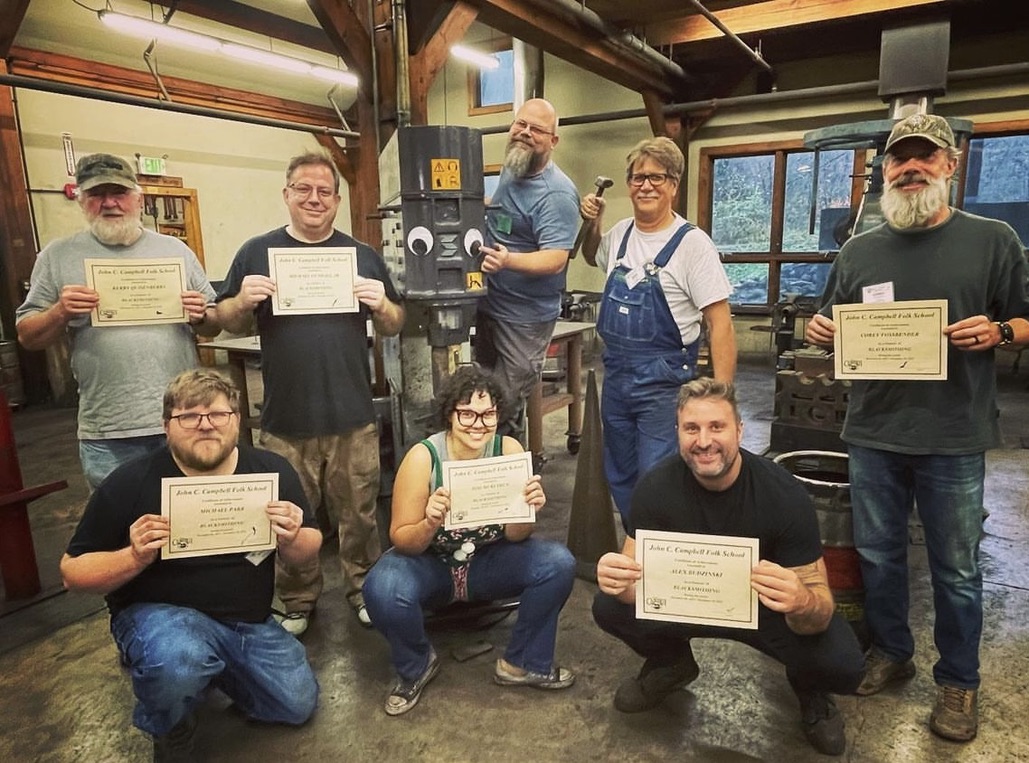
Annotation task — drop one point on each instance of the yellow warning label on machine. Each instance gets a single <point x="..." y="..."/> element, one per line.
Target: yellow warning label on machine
<point x="473" y="281"/>
<point x="446" y="174"/>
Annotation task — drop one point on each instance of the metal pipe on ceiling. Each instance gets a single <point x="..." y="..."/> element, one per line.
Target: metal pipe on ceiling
<point x="572" y="9"/>
<point x="64" y="88"/>
<point x="781" y="96"/>
<point x="754" y="55"/>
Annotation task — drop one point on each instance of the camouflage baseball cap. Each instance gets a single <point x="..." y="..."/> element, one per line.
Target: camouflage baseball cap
<point x="101" y="169"/>
<point x="931" y="127"/>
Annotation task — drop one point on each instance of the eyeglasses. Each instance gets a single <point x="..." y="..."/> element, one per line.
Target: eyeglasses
<point x="305" y="190"/>
<point x="216" y="419"/>
<point x="469" y="418"/>
<point x="521" y="125"/>
<point x="657" y="179"/>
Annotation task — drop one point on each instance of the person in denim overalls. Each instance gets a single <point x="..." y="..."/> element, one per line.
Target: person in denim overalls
<point x="665" y="283"/>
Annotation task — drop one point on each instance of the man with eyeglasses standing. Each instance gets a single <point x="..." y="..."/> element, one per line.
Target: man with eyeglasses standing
<point x="531" y="225"/>
<point x="924" y="443"/>
<point x="183" y="625"/>
<point x="317" y="409"/>
<point x="665" y="285"/>
<point x="119" y="386"/>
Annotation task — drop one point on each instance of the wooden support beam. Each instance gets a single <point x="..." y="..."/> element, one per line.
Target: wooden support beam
<point x="17" y="239"/>
<point x="116" y="79"/>
<point x="755" y="18"/>
<point x="12" y="13"/>
<point x="577" y="44"/>
<point x="429" y="61"/>
<point x="348" y="36"/>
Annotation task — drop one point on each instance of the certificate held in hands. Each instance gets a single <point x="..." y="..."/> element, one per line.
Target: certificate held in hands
<point x="137" y="292"/>
<point x="313" y="280"/>
<point x="218" y="515"/>
<point x="698" y="579"/>
<point x="488" y="491"/>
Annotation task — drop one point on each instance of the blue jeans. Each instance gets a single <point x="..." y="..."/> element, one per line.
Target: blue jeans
<point x="830" y="661"/>
<point x="948" y="491"/>
<point x="539" y="572"/>
<point x="637" y="406"/>
<point x="101" y="457"/>
<point x="175" y="653"/>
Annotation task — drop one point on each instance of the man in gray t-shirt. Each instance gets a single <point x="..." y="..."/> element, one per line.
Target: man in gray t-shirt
<point x="121" y="370"/>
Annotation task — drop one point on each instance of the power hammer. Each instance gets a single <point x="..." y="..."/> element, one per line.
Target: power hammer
<point x="602" y="183"/>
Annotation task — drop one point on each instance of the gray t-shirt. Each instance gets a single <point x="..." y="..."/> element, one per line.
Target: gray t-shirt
<point x="122" y="371"/>
<point x="979" y="267"/>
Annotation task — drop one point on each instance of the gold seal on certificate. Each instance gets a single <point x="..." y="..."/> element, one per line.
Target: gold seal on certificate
<point x="699" y="579"/>
<point x="218" y="515"/>
<point x="313" y="279"/>
<point x="488" y="491"/>
<point x="134" y="292"/>
<point x="891" y="340"/>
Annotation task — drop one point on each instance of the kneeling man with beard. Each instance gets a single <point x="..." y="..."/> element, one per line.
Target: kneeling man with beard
<point x="121" y="370"/>
<point x="186" y="624"/>
<point x="924" y="442"/>
<point x="531" y="225"/>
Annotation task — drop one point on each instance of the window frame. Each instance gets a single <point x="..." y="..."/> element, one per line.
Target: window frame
<point x="774" y="257"/>
<point x="475" y="79"/>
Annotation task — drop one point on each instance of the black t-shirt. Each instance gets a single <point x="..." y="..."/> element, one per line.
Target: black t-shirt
<point x="317" y="380"/>
<point x="224" y="586"/>
<point x="765" y="502"/>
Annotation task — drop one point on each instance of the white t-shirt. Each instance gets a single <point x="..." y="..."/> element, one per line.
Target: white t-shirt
<point x="693" y="278"/>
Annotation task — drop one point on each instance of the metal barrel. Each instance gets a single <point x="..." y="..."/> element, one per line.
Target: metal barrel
<point x="824" y="474"/>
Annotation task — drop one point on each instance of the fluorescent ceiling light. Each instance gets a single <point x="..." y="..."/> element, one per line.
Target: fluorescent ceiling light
<point x="480" y="59"/>
<point x="176" y="36"/>
<point x="144" y="28"/>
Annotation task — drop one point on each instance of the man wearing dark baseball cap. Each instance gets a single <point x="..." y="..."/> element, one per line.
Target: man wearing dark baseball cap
<point x="104" y="169"/>
<point x="121" y="370"/>
<point x="923" y="443"/>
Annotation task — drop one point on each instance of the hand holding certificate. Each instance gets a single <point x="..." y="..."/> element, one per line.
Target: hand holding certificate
<point x="218" y="515"/>
<point x="137" y="291"/>
<point x="312" y="280"/>
<point x="700" y="579"/>
<point x="487" y="491"/>
<point x="891" y="340"/>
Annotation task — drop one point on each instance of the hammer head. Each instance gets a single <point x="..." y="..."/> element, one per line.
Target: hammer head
<point x="602" y="183"/>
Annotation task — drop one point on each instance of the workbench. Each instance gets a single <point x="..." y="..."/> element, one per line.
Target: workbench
<point x="568" y="336"/>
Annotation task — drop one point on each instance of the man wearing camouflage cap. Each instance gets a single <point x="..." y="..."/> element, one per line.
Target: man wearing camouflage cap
<point x="924" y="442"/>
<point x="121" y="370"/>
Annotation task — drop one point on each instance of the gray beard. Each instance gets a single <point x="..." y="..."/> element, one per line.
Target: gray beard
<point x="123" y="232"/>
<point x="519" y="159"/>
<point x="907" y="210"/>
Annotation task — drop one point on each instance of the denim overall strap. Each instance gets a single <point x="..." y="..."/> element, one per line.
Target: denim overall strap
<point x="636" y="321"/>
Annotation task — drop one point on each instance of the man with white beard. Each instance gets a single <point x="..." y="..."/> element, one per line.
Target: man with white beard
<point x="924" y="442"/>
<point x="121" y="370"/>
<point x="530" y="229"/>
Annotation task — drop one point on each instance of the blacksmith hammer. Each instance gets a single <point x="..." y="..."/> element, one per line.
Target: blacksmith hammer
<point x="601" y="183"/>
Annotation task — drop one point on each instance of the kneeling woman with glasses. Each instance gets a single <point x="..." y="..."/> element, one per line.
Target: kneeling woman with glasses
<point x="429" y="566"/>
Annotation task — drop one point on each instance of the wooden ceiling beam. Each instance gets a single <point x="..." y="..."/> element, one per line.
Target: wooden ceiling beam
<point x="240" y="16"/>
<point x="754" y="18"/>
<point x="574" y="43"/>
<point x="430" y="59"/>
<point x="347" y="35"/>
<point x="12" y="13"/>
<point x="106" y="77"/>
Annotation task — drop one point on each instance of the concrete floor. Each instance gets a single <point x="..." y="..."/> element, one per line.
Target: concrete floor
<point x="65" y="698"/>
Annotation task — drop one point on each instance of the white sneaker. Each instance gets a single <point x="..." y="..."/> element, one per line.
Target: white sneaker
<point x="363" y="617"/>
<point x="294" y="623"/>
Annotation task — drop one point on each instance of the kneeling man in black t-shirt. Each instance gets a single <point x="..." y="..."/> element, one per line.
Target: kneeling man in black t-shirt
<point x="712" y="487"/>
<point x="184" y="624"/>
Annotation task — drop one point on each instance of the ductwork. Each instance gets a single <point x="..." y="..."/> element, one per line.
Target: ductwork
<point x="579" y="13"/>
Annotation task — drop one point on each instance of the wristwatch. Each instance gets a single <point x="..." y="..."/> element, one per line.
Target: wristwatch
<point x="1007" y="334"/>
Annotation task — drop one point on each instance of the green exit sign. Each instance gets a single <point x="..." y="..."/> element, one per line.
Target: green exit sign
<point x="152" y="165"/>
